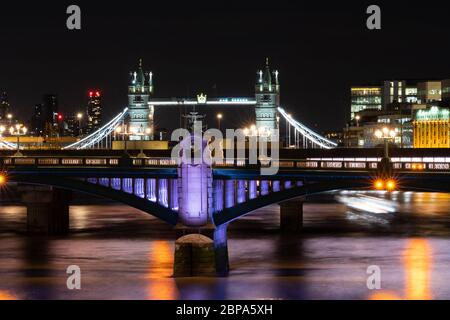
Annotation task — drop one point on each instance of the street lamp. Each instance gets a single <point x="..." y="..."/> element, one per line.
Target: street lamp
<point x="9" y="116"/>
<point x="219" y="117"/>
<point x="79" y="117"/>
<point x="357" y="118"/>
<point x="386" y="134"/>
<point x="18" y="130"/>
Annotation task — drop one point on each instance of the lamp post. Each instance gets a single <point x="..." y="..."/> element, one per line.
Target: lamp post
<point x="18" y="130"/>
<point x="357" y="118"/>
<point x="386" y="134"/>
<point x="9" y="116"/>
<point x="385" y="168"/>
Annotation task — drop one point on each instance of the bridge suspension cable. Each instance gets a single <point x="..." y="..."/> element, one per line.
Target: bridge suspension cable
<point x="100" y="138"/>
<point x="308" y="135"/>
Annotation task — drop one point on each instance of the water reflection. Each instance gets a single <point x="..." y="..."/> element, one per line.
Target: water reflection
<point x="5" y="295"/>
<point x="125" y="253"/>
<point x="160" y="284"/>
<point x="417" y="260"/>
<point x="417" y="264"/>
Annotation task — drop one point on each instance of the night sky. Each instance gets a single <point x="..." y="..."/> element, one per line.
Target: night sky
<point x="320" y="49"/>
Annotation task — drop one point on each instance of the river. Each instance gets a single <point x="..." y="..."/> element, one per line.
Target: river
<point x="126" y="254"/>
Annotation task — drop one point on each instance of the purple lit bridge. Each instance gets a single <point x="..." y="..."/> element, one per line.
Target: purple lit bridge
<point x="205" y="197"/>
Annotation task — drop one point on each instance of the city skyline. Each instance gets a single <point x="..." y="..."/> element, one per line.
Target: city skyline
<point x="187" y="59"/>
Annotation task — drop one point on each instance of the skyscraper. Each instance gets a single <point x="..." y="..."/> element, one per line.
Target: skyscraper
<point x="140" y="121"/>
<point x="94" y="111"/>
<point x="49" y="115"/>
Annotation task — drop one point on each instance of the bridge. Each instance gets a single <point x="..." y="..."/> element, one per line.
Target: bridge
<point x="139" y="114"/>
<point x="206" y="198"/>
<point x="201" y="199"/>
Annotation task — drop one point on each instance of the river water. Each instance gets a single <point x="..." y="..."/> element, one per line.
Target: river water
<point x="126" y="254"/>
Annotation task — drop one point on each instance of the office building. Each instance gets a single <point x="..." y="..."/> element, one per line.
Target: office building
<point x="431" y="128"/>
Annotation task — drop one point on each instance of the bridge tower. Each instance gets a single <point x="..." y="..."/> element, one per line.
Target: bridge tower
<point x="267" y="94"/>
<point x="140" y="119"/>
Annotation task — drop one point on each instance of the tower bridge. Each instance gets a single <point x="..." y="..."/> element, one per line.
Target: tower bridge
<point x="203" y="198"/>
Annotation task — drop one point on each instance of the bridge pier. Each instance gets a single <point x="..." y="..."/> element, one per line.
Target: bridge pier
<point x="291" y="215"/>
<point x="47" y="209"/>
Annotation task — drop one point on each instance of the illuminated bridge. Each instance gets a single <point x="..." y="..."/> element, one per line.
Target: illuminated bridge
<point x="139" y="114"/>
<point x="194" y="196"/>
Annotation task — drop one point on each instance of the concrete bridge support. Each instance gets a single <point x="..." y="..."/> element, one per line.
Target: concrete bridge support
<point x="47" y="209"/>
<point x="200" y="254"/>
<point x="291" y="215"/>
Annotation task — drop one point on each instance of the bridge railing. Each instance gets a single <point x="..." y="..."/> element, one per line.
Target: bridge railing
<point x="84" y="162"/>
<point x="432" y="164"/>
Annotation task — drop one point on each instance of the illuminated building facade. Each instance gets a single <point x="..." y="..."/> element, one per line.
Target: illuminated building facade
<point x="398" y="91"/>
<point x="445" y="86"/>
<point x="267" y="94"/>
<point x="94" y="111"/>
<point x="378" y="97"/>
<point x="365" y="97"/>
<point x="429" y="91"/>
<point x="431" y="128"/>
<point x="140" y="120"/>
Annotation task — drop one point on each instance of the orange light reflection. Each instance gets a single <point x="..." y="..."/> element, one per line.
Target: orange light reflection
<point x="417" y="262"/>
<point x="161" y="286"/>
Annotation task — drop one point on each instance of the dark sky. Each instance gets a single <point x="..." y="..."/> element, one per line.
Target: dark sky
<point x="320" y="49"/>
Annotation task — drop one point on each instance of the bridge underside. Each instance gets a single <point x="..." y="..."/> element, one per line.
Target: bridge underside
<point x="236" y="192"/>
<point x="105" y="190"/>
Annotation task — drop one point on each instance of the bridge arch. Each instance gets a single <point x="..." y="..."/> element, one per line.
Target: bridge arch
<point x="132" y="200"/>
<point x="229" y="214"/>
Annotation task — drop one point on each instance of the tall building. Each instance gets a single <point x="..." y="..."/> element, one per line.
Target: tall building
<point x="140" y="113"/>
<point x="37" y="121"/>
<point x="267" y="94"/>
<point x="400" y="91"/>
<point x="50" y="114"/>
<point x="431" y="128"/>
<point x="94" y="111"/>
<point x="5" y="107"/>
<point x="380" y="96"/>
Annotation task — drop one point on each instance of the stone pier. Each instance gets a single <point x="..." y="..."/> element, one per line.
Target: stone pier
<point x="291" y="215"/>
<point x="47" y="209"/>
<point x="201" y="247"/>
<point x="201" y="251"/>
